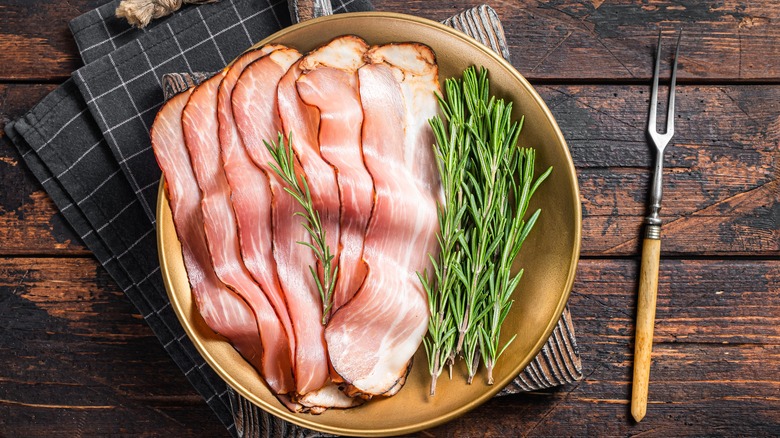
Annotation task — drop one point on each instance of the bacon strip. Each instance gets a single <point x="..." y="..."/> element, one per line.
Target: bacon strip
<point x="255" y="109"/>
<point x="251" y="199"/>
<point x="199" y="123"/>
<point x="224" y="311"/>
<point x="329" y="82"/>
<point x="414" y="66"/>
<point x="372" y="339"/>
<point x="303" y="123"/>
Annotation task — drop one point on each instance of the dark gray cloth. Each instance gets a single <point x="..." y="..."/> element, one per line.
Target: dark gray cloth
<point x="88" y="144"/>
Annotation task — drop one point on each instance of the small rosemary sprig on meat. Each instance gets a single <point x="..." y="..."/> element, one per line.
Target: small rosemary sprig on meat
<point x="298" y="188"/>
<point x="488" y="182"/>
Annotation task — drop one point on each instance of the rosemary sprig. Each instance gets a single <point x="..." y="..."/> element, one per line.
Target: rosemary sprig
<point x="298" y="188"/>
<point x="514" y="234"/>
<point x="452" y="149"/>
<point x="488" y="182"/>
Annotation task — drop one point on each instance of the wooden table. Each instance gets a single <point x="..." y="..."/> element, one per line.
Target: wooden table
<point x="76" y="359"/>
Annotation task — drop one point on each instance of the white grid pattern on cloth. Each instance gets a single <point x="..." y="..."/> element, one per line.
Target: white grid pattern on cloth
<point x="191" y="45"/>
<point x="121" y="158"/>
<point x="81" y="157"/>
<point x="112" y="245"/>
<point x="211" y="36"/>
<point x="99" y="31"/>
<point x="243" y="24"/>
<point x="182" y="52"/>
<point x="62" y="128"/>
<point x="105" y="26"/>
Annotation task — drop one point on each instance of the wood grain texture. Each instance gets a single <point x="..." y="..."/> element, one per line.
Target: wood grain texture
<point x="645" y="324"/>
<point x="78" y="359"/>
<point x="614" y="40"/>
<point x="549" y="40"/>
<point x="716" y="357"/>
<point x="29" y="221"/>
<point x="35" y="42"/>
<point x="77" y="356"/>
<point x="721" y="188"/>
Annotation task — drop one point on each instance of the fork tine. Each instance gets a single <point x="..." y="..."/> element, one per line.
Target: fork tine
<point x="651" y="127"/>
<point x="670" y="111"/>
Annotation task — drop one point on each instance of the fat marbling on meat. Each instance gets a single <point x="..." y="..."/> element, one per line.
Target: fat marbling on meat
<point x="255" y="110"/>
<point x="302" y="123"/>
<point x="373" y="337"/>
<point x="329" y="82"/>
<point x="224" y="311"/>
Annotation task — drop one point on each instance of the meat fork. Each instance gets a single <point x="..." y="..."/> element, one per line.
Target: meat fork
<point x="651" y="246"/>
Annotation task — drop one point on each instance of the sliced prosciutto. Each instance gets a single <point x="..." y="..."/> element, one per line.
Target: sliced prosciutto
<point x="414" y="66"/>
<point x="329" y="82"/>
<point x="302" y="121"/>
<point x="224" y="311"/>
<point x="199" y="124"/>
<point x="329" y="396"/>
<point x="255" y="111"/>
<point x="250" y="198"/>
<point x="372" y="339"/>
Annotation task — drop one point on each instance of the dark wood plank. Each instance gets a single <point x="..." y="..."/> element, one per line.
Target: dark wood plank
<point x="35" y="42"/>
<point x="721" y="188"/>
<point x="572" y="40"/>
<point x="78" y="356"/>
<point x="715" y="359"/>
<point x="721" y="183"/>
<point x="78" y="359"/>
<point x="608" y="40"/>
<point x="29" y="221"/>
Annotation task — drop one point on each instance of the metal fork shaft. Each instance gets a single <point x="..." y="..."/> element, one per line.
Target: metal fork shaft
<point x="651" y="247"/>
<point x="653" y="221"/>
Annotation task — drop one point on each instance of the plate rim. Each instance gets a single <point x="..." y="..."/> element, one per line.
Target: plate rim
<point x="163" y="204"/>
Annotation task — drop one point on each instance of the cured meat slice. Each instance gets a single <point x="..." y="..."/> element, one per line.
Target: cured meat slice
<point x="329" y="82"/>
<point x="414" y="66"/>
<point x="302" y="122"/>
<point x="200" y="127"/>
<point x="224" y="311"/>
<point x="255" y="110"/>
<point x="250" y="197"/>
<point x="372" y="339"/>
<point x="329" y="396"/>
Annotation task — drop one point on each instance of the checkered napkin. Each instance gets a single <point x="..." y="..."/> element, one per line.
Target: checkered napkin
<point x="88" y="143"/>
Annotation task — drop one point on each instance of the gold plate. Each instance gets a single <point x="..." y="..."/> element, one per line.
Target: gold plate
<point x="549" y="256"/>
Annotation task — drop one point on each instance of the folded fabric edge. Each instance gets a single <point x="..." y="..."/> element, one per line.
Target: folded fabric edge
<point x="79" y="221"/>
<point x="74" y="218"/>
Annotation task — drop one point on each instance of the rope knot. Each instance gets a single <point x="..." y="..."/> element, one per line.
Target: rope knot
<point x="140" y="13"/>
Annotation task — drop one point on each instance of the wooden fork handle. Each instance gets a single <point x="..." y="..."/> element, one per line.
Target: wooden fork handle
<point x="645" y="320"/>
